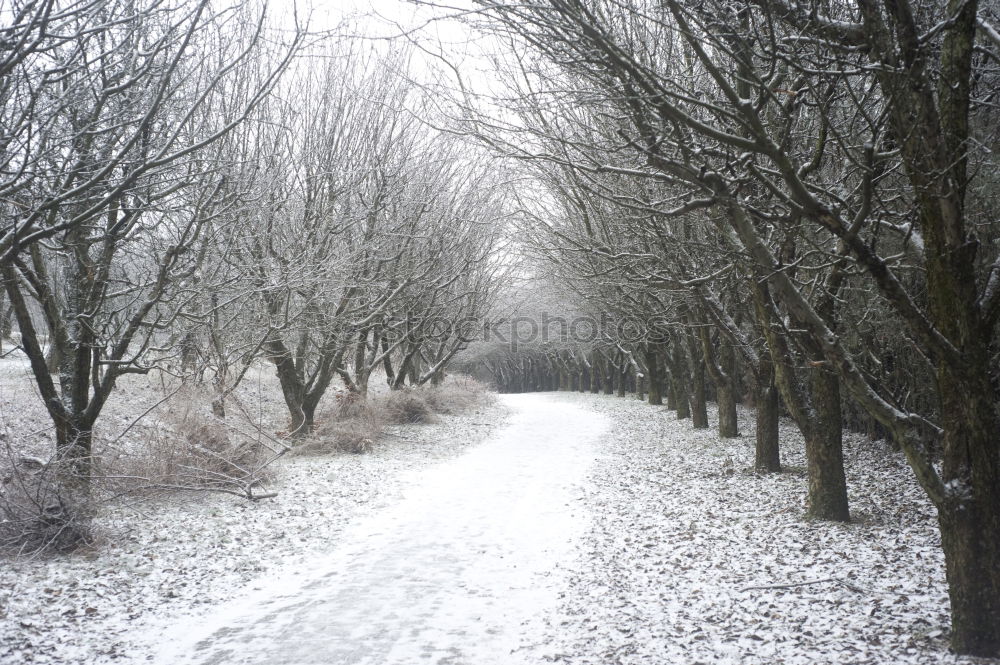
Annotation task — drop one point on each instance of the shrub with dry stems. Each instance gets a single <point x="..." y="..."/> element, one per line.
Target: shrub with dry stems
<point x="352" y="425"/>
<point x="406" y="406"/>
<point x="457" y="394"/>
<point x="37" y="512"/>
<point x="193" y="449"/>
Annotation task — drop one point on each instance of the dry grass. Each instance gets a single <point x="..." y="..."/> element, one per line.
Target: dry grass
<point x="186" y="448"/>
<point x="406" y="406"/>
<point x="354" y="424"/>
<point x="457" y="394"/>
<point x="192" y="449"/>
<point x="151" y="441"/>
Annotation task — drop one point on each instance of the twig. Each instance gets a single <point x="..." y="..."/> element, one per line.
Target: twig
<point x="244" y="493"/>
<point x="143" y="415"/>
<point x="792" y="585"/>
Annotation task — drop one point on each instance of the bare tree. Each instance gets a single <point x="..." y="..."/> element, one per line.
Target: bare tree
<point x="109" y="182"/>
<point x="833" y="146"/>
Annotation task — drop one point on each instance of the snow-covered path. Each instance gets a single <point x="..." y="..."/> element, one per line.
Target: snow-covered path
<point x="458" y="571"/>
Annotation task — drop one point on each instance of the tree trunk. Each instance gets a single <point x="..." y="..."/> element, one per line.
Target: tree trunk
<point x="292" y="387"/>
<point x="767" y="456"/>
<point x="816" y="412"/>
<point x="71" y="509"/>
<point x="969" y="529"/>
<point x="679" y="374"/>
<point x="725" y="385"/>
<point x="414" y="370"/>
<point x="671" y="393"/>
<point x="303" y="421"/>
<point x="609" y="376"/>
<point x="52" y="359"/>
<point x="653" y="372"/>
<point x="699" y="408"/>
<point x="726" y="390"/>
<point x="970" y="516"/>
<point x="219" y="408"/>
<point x="5" y="320"/>
<point x="699" y="405"/>
<point x="74" y="450"/>
<point x="824" y="450"/>
<point x="189" y="353"/>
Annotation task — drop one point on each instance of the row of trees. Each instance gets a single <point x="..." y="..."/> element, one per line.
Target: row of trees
<point x="684" y="367"/>
<point x="186" y="187"/>
<point x="371" y="245"/>
<point x="808" y="187"/>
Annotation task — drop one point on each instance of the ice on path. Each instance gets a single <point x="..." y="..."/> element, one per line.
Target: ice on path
<point x="455" y="572"/>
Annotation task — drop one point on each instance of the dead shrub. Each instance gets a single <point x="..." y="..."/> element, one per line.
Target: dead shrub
<point x="352" y="426"/>
<point x="457" y="394"/>
<point x="351" y="405"/>
<point x="355" y="435"/>
<point x="406" y="406"/>
<point x="37" y="515"/>
<point x="191" y="448"/>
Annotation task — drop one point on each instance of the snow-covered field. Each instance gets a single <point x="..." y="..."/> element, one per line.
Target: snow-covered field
<point x="664" y="548"/>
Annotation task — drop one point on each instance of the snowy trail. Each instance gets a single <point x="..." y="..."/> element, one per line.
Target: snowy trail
<point x="456" y="572"/>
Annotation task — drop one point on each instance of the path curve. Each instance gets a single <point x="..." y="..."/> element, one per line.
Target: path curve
<point x="457" y="571"/>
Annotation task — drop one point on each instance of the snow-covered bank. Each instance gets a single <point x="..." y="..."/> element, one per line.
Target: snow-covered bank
<point x="195" y="552"/>
<point x="693" y="558"/>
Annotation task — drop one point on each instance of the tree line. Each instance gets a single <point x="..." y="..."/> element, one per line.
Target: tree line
<point x="789" y="199"/>
<point x="797" y="197"/>
<point x="192" y="188"/>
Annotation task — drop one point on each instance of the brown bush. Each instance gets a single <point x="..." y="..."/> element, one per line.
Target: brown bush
<point x="352" y="425"/>
<point x="43" y="508"/>
<point x="355" y="435"/>
<point x="457" y="394"/>
<point x="351" y="405"/>
<point x="36" y="516"/>
<point x="406" y="406"/>
<point x="190" y="449"/>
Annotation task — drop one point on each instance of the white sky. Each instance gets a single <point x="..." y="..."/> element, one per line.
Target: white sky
<point x="386" y="19"/>
<point x="378" y="18"/>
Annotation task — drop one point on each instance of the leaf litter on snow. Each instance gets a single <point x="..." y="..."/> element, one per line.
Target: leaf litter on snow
<point x="694" y="558"/>
<point x="690" y="557"/>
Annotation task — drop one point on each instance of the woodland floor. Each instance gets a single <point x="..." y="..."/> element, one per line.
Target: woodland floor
<point x="569" y="528"/>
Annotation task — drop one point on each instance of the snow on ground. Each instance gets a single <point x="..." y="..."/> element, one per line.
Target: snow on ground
<point x="681" y="554"/>
<point x="684" y="535"/>
<point x="453" y="572"/>
<point x="159" y="560"/>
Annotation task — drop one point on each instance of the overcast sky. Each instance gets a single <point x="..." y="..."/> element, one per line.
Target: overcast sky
<point x="379" y="17"/>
